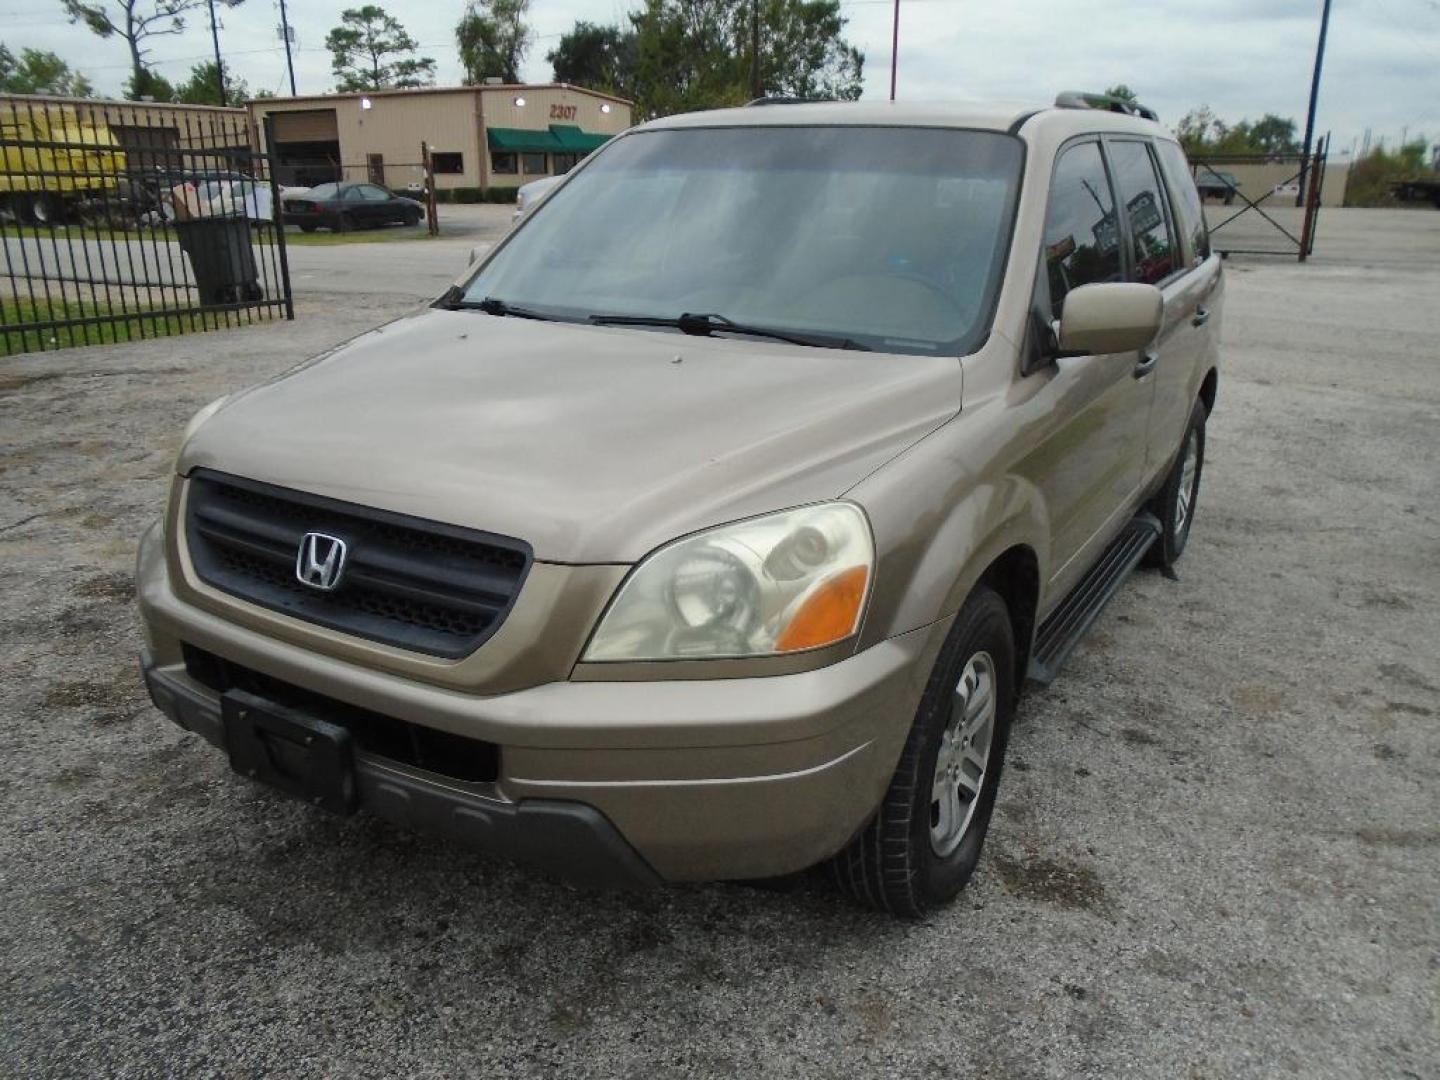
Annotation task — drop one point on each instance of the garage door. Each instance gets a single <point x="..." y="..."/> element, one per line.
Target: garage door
<point x="310" y="125"/>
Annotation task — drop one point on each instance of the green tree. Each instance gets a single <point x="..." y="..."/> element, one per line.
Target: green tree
<point x="1123" y="92"/>
<point x="146" y="85"/>
<point x="493" y="39"/>
<point x="1200" y="132"/>
<point x="596" y="57"/>
<point x="136" y="22"/>
<point x="370" y="50"/>
<point x="1273" y="134"/>
<point x="695" y="54"/>
<point x="36" y="71"/>
<point x="203" y="86"/>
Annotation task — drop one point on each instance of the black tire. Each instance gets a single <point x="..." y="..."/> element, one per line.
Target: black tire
<point x="1177" y="516"/>
<point x="893" y="865"/>
<point x="309" y="228"/>
<point x="46" y="210"/>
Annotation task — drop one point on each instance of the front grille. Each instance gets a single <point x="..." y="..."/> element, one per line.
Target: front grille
<point x="440" y="752"/>
<point x="419" y="585"/>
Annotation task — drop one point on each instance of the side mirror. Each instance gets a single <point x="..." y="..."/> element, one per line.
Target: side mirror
<point x="1113" y="317"/>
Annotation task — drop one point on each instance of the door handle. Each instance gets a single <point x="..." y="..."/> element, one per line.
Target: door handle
<point x="1202" y="316"/>
<point x="1148" y="359"/>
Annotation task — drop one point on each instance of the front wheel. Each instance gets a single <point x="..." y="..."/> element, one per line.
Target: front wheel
<point x="1174" y="504"/>
<point x="923" y="844"/>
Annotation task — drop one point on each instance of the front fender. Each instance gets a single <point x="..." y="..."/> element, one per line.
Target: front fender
<point x="940" y="524"/>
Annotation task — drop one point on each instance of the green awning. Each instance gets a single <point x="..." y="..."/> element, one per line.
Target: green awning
<point x="559" y="139"/>
<point x="575" y="141"/>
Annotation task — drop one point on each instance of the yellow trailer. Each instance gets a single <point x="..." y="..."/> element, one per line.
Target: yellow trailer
<point x="54" y="160"/>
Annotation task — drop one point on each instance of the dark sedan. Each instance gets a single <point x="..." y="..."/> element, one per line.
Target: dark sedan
<point x="342" y="207"/>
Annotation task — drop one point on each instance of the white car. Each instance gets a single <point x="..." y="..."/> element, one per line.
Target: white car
<point x="531" y="195"/>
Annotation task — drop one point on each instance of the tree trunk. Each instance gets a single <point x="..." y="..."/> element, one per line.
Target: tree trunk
<point x="132" y="38"/>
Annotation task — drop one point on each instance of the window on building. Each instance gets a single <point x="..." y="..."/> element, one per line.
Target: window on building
<point x="534" y="165"/>
<point x="447" y="162"/>
<point x="564" y="163"/>
<point x="1082" y="241"/>
<point x="1186" y="200"/>
<point x="503" y="162"/>
<point x="1154" y="247"/>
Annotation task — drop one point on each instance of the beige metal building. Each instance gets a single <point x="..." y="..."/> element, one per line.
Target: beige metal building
<point x="1254" y="179"/>
<point x="479" y="136"/>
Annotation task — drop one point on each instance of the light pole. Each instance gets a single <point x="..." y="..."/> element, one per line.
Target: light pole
<point x="1314" y="99"/>
<point x="895" y="48"/>
<point x="285" y="33"/>
<point x="219" y="64"/>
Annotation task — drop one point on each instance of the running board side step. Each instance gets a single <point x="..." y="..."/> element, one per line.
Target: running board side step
<point x="1066" y="625"/>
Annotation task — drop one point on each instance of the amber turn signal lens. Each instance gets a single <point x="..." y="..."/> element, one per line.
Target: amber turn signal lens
<point x="829" y="614"/>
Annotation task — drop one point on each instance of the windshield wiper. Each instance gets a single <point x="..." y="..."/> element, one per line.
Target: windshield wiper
<point x="454" y="300"/>
<point x="704" y="325"/>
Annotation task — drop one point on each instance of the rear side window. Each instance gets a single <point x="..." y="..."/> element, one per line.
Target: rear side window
<point x="1082" y="243"/>
<point x="1155" y="257"/>
<point x="1188" y="211"/>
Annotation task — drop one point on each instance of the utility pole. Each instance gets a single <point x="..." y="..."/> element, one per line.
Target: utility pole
<point x="756" y="90"/>
<point x="285" y="33"/>
<point x="1314" y="99"/>
<point x="219" y="64"/>
<point x="895" y="48"/>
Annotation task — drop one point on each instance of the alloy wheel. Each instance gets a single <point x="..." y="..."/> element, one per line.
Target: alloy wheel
<point x="964" y="755"/>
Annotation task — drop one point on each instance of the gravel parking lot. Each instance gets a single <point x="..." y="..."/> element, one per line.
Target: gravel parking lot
<point x="1217" y="851"/>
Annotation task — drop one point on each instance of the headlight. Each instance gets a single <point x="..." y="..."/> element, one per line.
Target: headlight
<point x="776" y="584"/>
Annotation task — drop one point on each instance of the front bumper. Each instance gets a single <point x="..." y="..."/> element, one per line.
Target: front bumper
<point x="609" y="782"/>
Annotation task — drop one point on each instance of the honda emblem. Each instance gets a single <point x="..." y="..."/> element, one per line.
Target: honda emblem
<point x="321" y="561"/>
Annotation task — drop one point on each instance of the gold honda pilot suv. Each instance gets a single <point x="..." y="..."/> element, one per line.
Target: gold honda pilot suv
<point x="710" y="526"/>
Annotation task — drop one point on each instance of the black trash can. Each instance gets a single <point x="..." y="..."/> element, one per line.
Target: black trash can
<point x="220" y="258"/>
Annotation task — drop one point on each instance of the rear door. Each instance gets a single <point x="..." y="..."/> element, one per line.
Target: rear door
<point x="1158" y="256"/>
<point x="1192" y="306"/>
<point x="1090" y="452"/>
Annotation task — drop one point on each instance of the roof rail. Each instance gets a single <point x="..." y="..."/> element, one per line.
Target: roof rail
<point x="1078" y="99"/>
<point x="777" y="101"/>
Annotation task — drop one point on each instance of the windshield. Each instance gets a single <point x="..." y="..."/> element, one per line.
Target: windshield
<point x="891" y="237"/>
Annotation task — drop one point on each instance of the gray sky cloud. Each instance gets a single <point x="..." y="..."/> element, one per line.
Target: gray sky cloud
<point x="1241" y="57"/>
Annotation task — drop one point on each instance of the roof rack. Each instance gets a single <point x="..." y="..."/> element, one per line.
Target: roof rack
<point x="1078" y="99"/>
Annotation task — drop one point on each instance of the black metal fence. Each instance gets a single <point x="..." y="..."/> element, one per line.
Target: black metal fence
<point x="122" y="223"/>
<point x="1280" y="215"/>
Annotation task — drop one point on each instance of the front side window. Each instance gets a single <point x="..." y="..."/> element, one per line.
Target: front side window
<point x="892" y="237"/>
<point x="374" y="194"/>
<point x="1155" y="257"/>
<point x="1188" y="209"/>
<point x="1082" y="240"/>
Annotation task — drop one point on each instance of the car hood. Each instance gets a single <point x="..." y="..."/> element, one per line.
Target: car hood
<point x="593" y="444"/>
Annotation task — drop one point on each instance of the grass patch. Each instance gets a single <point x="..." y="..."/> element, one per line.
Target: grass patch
<point x="163" y="234"/>
<point x="24" y="311"/>
<point x="296" y="238"/>
<point x="61" y="233"/>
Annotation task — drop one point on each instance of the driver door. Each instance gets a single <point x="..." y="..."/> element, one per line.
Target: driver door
<point x="1092" y="412"/>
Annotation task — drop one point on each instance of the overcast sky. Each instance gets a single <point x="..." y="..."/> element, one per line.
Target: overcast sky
<point x="1242" y="57"/>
